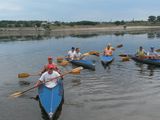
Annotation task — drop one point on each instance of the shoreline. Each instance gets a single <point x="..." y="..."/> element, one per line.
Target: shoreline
<point x="30" y="31"/>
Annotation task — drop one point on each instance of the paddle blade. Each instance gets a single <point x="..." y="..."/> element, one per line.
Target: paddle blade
<point x="64" y="63"/>
<point x="94" y="53"/>
<point x="158" y="50"/>
<point x="86" y="54"/>
<point x="16" y="94"/>
<point x="123" y="55"/>
<point x="76" y="70"/>
<point x="119" y="46"/>
<point x="113" y="49"/>
<point x="59" y="59"/>
<point x="124" y="59"/>
<point x="23" y="75"/>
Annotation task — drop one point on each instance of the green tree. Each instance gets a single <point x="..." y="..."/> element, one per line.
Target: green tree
<point x="158" y="18"/>
<point x="117" y="22"/>
<point x="57" y="23"/>
<point x="152" y="18"/>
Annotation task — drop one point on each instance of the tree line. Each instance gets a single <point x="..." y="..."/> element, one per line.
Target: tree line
<point x="152" y="20"/>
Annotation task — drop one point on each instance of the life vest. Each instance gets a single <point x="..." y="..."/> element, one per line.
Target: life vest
<point x="141" y="53"/>
<point x="108" y="52"/>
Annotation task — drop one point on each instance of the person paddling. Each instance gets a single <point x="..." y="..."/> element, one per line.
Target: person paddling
<point x="108" y="51"/>
<point x="50" y="62"/>
<point x="152" y="53"/>
<point x="71" y="53"/>
<point x="78" y="54"/>
<point x="48" y="76"/>
<point x="141" y="52"/>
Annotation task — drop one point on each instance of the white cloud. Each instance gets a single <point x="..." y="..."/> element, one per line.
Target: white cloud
<point x="8" y="7"/>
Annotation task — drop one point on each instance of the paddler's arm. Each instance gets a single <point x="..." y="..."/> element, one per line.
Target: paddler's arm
<point x="38" y="83"/>
<point x="44" y="69"/>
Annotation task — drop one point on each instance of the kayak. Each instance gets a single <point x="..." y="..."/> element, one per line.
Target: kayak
<point x="106" y="59"/>
<point x="51" y="98"/>
<point x="146" y="60"/>
<point x="84" y="63"/>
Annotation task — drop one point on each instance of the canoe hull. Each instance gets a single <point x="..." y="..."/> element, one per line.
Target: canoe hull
<point x="84" y="63"/>
<point x="146" y="60"/>
<point x="106" y="59"/>
<point x="51" y="98"/>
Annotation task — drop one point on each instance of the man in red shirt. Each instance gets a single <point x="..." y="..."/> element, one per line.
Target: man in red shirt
<point x="50" y="62"/>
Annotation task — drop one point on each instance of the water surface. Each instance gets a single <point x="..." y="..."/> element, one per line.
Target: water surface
<point x="122" y="91"/>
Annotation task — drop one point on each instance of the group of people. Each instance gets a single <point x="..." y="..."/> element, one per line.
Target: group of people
<point x="48" y="73"/>
<point x="142" y="53"/>
<point x="74" y="54"/>
<point x="50" y="70"/>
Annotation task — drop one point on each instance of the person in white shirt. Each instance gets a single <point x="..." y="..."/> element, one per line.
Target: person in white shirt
<point x="152" y="52"/>
<point x="71" y="53"/>
<point x="49" y="76"/>
<point x="78" y="54"/>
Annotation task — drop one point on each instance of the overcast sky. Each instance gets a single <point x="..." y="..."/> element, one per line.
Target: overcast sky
<point x="77" y="10"/>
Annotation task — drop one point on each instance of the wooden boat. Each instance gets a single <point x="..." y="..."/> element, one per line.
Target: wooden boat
<point x="146" y="60"/>
<point x="106" y="59"/>
<point x="51" y="98"/>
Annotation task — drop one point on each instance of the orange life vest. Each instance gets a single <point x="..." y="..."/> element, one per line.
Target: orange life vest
<point x="108" y="52"/>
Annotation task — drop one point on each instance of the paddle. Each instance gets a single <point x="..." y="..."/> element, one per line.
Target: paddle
<point x="98" y="53"/>
<point x="158" y="50"/>
<point x="63" y="62"/>
<point x="125" y="57"/>
<point x="91" y="53"/>
<point x="73" y="71"/>
<point x="25" y="75"/>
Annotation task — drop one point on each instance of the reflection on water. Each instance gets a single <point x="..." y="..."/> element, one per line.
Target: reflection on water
<point x="120" y="91"/>
<point x="76" y="82"/>
<point x="150" y="68"/>
<point x="106" y="66"/>
<point x="119" y="33"/>
<point x="84" y="35"/>
<point x="24" y="83"/>
<point x="152" y="35"/>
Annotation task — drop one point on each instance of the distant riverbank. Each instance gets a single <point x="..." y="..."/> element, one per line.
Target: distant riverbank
<point x="34" y="31"/>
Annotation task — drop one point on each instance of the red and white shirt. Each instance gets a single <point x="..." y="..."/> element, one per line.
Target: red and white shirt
<point x="49" y="77"/>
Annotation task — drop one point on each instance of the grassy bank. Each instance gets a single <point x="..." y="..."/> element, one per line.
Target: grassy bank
<point x="77" y="30"/>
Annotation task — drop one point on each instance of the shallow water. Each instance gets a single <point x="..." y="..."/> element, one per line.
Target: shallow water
<point x="122" y="91"/>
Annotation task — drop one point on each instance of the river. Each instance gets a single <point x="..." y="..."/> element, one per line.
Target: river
<point x="122" y="91"/>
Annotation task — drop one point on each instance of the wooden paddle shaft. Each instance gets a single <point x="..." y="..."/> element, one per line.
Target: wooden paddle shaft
<point x="80" y="68"/>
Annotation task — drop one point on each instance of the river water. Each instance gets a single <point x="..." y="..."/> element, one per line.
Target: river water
<point x="122" y="91"/>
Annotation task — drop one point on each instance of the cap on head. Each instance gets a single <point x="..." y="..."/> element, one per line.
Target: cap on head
<point x="73" y="48"/>
<point x="50" y="66"/>
<point x="49" y="58"/>
<point x="152" y="47"/>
